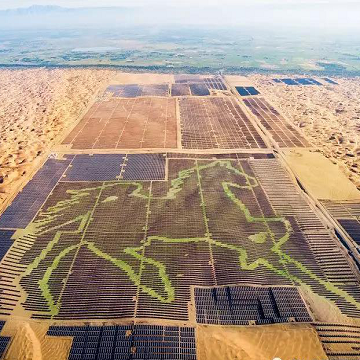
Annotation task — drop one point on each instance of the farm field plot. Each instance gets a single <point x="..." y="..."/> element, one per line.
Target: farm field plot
<point x="205" y="221"/>
<point x="280" y="130"/>
<point x="216" y="123"/>
<point x="127" y="124"/>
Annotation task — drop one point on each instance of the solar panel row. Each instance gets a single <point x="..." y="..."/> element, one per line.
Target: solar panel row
<point x="240" y="305"/>
<point x="141" y="342"/>
<point x="28" y="202"/>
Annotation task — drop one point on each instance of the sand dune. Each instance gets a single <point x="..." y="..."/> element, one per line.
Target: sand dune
<point x="36" y="106"/>
<point x="329" y="115"/>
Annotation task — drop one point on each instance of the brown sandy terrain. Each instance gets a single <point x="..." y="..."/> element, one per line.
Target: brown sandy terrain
<point x="311" y="167"/>
<point x="36" y="106"/>
<point x="287" y="342"/>
<point x="31" y="343"/>
<point x="329" y="115"/>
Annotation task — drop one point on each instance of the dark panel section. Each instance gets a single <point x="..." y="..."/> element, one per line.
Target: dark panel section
<point x="330" y="81"/>
<point x="129" y="342"/>
<point x="132" y="91"/>
<point x="315" y="82"/>
<point x="242" y="91"/>
<point x="180" y="90"/>
<point x="199" y="90"/>
<point x="304" y="81"/>
<point x="252" y="91"/>
<point x="28" y="202"/>
<point x="340" y="341"/>
<point x="216" y="123"/>
<point x="4" y="340"/>
<point x="127" y="91"/>
<point x="144" y="167"/>
<point x="239" y="305"/>
<point x="215" y="83"/>
<point x="95" y="167"/>
<point x="5" y="241"/>
<point x="352" y="227"/>
<point x="289" y="82"/>
<point x="279" y="128"/>
<point x="155" y="90"/>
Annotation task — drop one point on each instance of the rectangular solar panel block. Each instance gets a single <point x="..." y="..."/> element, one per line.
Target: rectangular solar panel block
<point x="28" y="202"/>
<point x="330" y="81"/>
<point x="315" y="82"/>
<point x="199" y="90"/>
<point x="352" y="227"/>
<point x="289" y="82"/>
<point x="99" y="167"/>
<point x="5" y="243"/>
<point x="252" y="91"/>
<point x="242" y="91"/>
<point x="303" y="81"/>
<point x="144" y="167"/>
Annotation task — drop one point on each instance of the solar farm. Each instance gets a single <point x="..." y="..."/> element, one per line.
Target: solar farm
<point x="167" y="209"/>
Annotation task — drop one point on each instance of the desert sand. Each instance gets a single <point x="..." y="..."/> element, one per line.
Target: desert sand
<point x="328" y="115"/>
<point x="310" y="167"/>
<point x="36" y="107"/>
<point x="287" y="342"/>
<point x="31" y="343"/>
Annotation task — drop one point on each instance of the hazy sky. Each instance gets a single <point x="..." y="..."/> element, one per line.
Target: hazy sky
<point x="5" y="4"/>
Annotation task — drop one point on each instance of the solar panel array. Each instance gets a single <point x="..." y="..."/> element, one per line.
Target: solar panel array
<point x="127" y="342"/>
<point x="216" y="123"/>
<point x="29" y="200"/>
<point x="137" y="211"/>
<point x="5" y="241"/>
<point x="134" y="90"/>
<point x="326" y="255"/>
<point x="144" y="167"/>
<point x="196" y="85"/>
<point x="243" y="305"/>
<point x="98" y="167"/>
<point x="297" y="81"/>
<point x="127" y="124"/>
<point x="247" y="91"/>
<point x="180" y="90"/>
<point x="340" y="341"/>
<point x="330" y="81"/>
<point x="199" y="90"/>
<point x="4" y="340"/>
<point x="282" y="132"/>
<point x="347" y="213"/>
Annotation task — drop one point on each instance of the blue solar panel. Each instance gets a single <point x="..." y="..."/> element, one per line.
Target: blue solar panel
<point x="237" y="305"/>
<point x="101" y="167"/>
<point x="289" y="82"/>
<point x="314" y="82"/>
<point x="4" y="340"/>
<point x="28" y="202"/>
<point x="129" y="342"/>
<point x="303" y="81"/>
<point x="330" y="81"/>
<point x="5" y="241"/>
<point x="145" y="167"/>
<point x="242" y="91"/>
